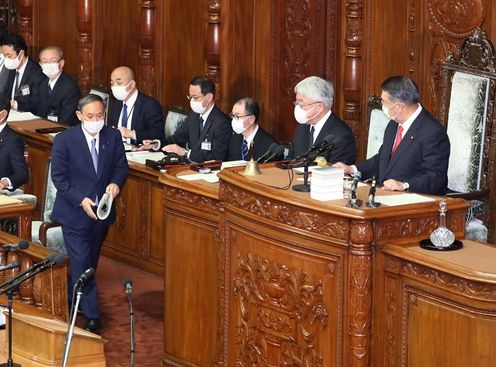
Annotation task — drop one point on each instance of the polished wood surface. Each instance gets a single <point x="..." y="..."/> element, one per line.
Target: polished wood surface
<point x="438" y="309"/>
<point x="21" y="215"/>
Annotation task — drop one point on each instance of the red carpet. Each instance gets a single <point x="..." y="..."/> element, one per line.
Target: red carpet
<point x="148" y="314"/>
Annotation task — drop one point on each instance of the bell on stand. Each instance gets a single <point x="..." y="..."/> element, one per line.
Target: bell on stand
<point x="251" y="168"/>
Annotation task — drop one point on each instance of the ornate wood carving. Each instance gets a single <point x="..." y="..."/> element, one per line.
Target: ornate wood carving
<point x="146" y="66"/>
<point x="284" y="213"/>
<point x="25" y="20"/>
<point x="121" y="209"/>
<point x="392" y="314"/>
<point x="278" y="306"/>
<point x="85" y="44"/>
<point x="191" y="199"/>
<point x="212" y="43"/>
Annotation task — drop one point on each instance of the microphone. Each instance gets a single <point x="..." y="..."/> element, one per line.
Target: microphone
<point x="372" y="203"/>
<point x="270" y="150"/>
<point x="87" y="275"/>
<point x="356" y="177"/>
<point x="128" y="286"/>
<point x="12" y="265"/>
<point x="278" y="151"/>
<point x="354" y="203"/>
<point x="328" y="143"/>
<point x="22" y="245"/>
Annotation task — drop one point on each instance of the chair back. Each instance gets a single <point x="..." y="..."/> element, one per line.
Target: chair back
<point x="104" y="93"/>
<point x="175" y="118"/>
<point x="50" y="193"/>
<point x="378" y="122"/>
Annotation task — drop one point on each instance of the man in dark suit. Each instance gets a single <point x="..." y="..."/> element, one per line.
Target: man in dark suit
<point x="14" y="170"/>
<point x="25" y="75"/>
<point x="314" y="98"/>
<point x="88" y="160"/>
<point x="415" y="150"/>
<point x="137" y="116"/>
<point x="245" y="116"/>
<point x="4" y="72"/>
<point x="206" y="131"/>
<point x="60" y="95"/>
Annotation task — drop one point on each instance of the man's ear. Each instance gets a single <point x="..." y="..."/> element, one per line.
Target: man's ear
<point x="79" y="116"/>
<point x="3" y="115"/>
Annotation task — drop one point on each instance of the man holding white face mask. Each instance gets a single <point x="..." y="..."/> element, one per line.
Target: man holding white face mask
<point x="60" y="95"/>
<point x="137" y="116"/>
<point x="316" y="121"/>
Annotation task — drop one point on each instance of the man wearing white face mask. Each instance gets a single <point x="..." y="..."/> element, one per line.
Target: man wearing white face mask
<point x="25" y="75"/>
<point x="245" y="115"/>
<point x="206" y="132"/>
<point x="137" y="116"/>
<point x="415" y="150"/>
<point x="60" y="95"/>
<point x="316" y="121"/>
<point x="88" y="160"/>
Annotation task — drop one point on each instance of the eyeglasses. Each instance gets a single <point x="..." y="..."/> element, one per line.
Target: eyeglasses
<point x="233" y="116"/>
<point x="195" y="98"/>
<point x="49" y="61"/>
<point x="296" y="103"/>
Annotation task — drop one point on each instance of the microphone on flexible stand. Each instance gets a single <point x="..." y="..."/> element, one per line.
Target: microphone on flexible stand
<point x="372" y="203"/>
<point x="12" y="265"/>
<point x="22" y="245"/>
<point x="128" y="290"/>
<point x="354" y="202"/>
<point x="270" y="150"/>
<point x="277" y="151"/>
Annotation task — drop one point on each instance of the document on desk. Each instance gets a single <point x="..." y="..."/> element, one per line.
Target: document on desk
<point x="142" y="156"/>
<point x="21" y="116"/>
<point x="402" y="199"/>
<point x="6" y="200"/>
<point x="209" y="177"/>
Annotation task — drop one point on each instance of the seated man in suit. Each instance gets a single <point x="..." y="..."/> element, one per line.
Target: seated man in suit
<point x="13" y="167"/>
<point x="245" y="116"/>
<point x="60" y="95"/>
<point x="415" y="150"/>
<point x="314" y="98"/>
<point x="206" y="131"/>
<point x="137" y="116"/>
<point x="25" y="75"/>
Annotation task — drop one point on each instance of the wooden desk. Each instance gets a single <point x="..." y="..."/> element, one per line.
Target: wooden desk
<point x="438" y="308"/>
<point x="18" y="215"/>
<point x="136" y="237"/>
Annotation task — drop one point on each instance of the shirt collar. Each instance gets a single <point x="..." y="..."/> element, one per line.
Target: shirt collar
<point x="132" y="99"/>
<point x="89" y="137"/>
<point x="2" y="126"/>
<point x="250" y="138"/>
<point x="205" y="114"/>
<point x="22" y="68"/>
<point x="54" y="81"/>
<point x="406" y="125"/>
<point x="320" y="124"/>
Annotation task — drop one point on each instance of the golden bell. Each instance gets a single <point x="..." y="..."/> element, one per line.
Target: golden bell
<point x="251" y="168"/>
<point x="321" y="161"/>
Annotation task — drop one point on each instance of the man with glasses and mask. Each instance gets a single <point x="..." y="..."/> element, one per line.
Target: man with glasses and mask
<point x="205" y="133"/>
<point x="137" y="116"/>
<point x="316" y="120"/>
<point x="415" y="149"/>
<point x="59" y="96"/>
<point x="247" y="130"/>
<point x="25" y="76"/>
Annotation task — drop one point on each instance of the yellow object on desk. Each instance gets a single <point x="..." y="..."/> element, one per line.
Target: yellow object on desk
<point x="7" y="200"/>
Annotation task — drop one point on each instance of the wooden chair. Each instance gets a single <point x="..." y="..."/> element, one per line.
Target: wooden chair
<point x="105" y="94"/>
<point x="376" y="126"/>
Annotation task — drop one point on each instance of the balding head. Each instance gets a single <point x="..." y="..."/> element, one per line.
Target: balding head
<point x="123" y="77"/>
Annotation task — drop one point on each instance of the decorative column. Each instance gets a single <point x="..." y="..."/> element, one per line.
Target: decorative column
<point x="353" y="66"/>
<point x="85" y="47"/>
<point x="146" y="63"/>
<point x="360" y="300"/>
<point x="25" y="20"/>
<point x="212" y="43"/>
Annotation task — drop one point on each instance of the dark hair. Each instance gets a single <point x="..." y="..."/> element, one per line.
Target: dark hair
<point x="4" y="102"/>
<point x="87" y="99"/>
<point x="16" y="41"/>
<point x="251" y="107"/>
<point x="401" y="88"/>
<point x="205" y="84"/>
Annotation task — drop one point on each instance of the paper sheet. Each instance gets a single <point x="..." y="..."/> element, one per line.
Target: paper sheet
<point x="402" y="199"/>
<point x="209" y="177"/>
<point x="6" y="200"/>
<point x="21" y="116"/>
<point x="141" y="157"/>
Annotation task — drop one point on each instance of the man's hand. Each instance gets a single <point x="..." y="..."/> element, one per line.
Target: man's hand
<point x="113" y="189"/>
<point x="393" y="185"/>
<point x="126" y="133"/>
<point x="87" y="205"/>
<point x="148" y="145"/>
<point x="347" y="169"/>
<point x="174" y="148"/>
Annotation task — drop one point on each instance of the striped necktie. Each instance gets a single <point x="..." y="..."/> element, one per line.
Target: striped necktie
<point x="244" y="150"/>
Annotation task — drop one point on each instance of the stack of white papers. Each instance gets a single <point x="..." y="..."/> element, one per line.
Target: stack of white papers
<point x="233" y="164"/>
<point x="141" y="156"/>
<point x="327" y="183"/>
<point x="21" y="116"/>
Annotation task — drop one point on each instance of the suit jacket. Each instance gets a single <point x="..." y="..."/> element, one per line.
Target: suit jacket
<point x="61" y="102"/>
<point x="12" y="161"/>
<point x="261" y="143"/>
<point x="217" y="131"/>
<point x="31" y="79"/>
<point x="147" y="119"/>
<point x="4" y="78"/>
<point x="345" y="146"/>
<point x="75" y="178"/>
<point x="421" y="159"/>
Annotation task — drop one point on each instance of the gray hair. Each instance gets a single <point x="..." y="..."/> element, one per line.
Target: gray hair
<point x="316" y="89"/>
<point x="87" y="99"/>
<point x="57" y="49"/>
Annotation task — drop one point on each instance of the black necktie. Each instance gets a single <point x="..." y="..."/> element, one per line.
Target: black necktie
<point x="124" y="116"/>
<point x="310" y="138"/>
<point x="200" y="126"/>
<point x="16" y="84"/>
<point x="49" y="89"/>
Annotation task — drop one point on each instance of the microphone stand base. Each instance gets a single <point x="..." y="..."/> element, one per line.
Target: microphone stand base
<point x="373" y="205"/>
<point x="354" y="204"/>
<point x="302" y="188"/>
<point x="7" y="364"/>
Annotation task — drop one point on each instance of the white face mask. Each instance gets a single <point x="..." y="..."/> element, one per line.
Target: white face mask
<point x="50" y="69"/>
<point x="197" y="106"/>
<point x="120" y="92"/>
<point x="237" y="125"/>
<point x="93" y="127"/>
<point x="14" y="63"/>
<point x="386" y="112"/>
<point x="301" y="115"/>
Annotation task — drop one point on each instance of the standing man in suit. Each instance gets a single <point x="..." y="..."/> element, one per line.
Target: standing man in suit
<point x="316" y="120"/>
<point x="25" y="75"/>
<point x="14" y="170"/>
<point x="88" y="160"/>
<point x="206" y="131"/>
<point x="245" y="116"/>
<point x="415" y="150"/>
<point x="137" y="116"/>
<point x="60" y="95"/>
